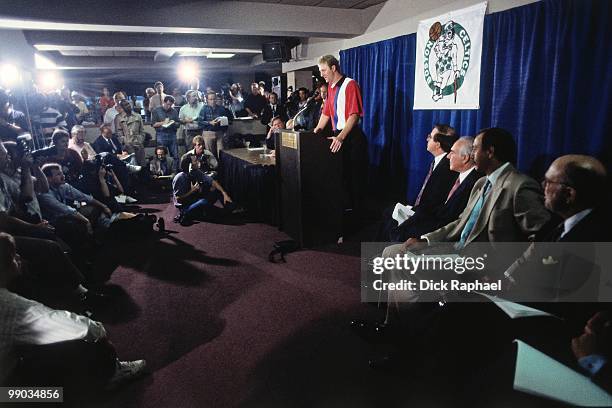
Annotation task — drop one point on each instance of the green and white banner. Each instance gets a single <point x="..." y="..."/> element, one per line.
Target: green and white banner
<point x="449" y="50"/>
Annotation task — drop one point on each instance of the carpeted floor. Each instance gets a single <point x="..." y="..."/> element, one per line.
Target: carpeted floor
<point x="221" y="326"/>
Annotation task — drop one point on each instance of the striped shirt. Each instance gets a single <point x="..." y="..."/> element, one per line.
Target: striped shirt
<point x="24" y="321"/>
<point x="347" y="102"/>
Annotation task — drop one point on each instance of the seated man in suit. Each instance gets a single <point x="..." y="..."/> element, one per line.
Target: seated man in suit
<point x="438" y="181"/>
<point x="504" y="206"/>
<point x="572" y="190"/>
<point x="422" y="222"/>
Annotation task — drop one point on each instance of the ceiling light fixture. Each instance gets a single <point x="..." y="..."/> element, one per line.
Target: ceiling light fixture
<point x="9" y="74"/>
<point x="219" y="55"/>
<point x="188" y="71"/>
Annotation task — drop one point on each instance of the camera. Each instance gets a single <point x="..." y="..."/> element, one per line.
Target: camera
<point x="24" y="142"/>
<point x="101" y="161"/>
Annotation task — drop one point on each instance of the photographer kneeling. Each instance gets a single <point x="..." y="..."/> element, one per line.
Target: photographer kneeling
<point x="195" y="193"/>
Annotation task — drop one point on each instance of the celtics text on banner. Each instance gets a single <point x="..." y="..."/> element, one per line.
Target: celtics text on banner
<point x="449" y="50"/>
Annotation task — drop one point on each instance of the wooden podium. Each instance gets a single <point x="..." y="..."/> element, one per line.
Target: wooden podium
<point x="310" y="187"/>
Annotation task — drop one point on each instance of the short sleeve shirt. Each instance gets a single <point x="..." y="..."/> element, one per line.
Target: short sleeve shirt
<point x="347" y="102"/>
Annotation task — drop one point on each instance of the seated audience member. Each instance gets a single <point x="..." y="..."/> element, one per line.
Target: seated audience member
<point x="165" y="120"/>
<point x="161" y="164"/>
<point x="438" y="181"/>
<point x="58" y="152"/>
<point x="112" y="112"/>
<point x="255" y="103"/>
<point x="75" y="226"/>
<point x="36" y="239"/>
<point x="67" y="108"/>
<point x="12" y="122"/>
<point x="99" y="180"/>
<point x="208" y="161"/>
<point x="78" y="144"/>
<point x="188" y="115"/>
<point x="49" y="118"/>
<point x="109" y="149"/>
<point x="422" y="222"/>
<point x="276" y="124"/>
<point x="42" y="346"/>
<point x="272" y="110"/>
<point x="107" y="142"/>
<point x="195" y="193"/>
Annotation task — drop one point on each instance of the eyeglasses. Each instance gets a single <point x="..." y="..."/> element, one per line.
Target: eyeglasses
<point x="428" y="136"/>
<point x="547" y="181"/>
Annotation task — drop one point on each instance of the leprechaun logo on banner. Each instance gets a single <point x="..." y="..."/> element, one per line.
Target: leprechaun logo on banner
<point x="448" y="60"/>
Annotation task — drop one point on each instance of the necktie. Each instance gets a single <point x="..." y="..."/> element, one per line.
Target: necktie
<point x="453" y="189"/>
<point x="418" y="199"/>
<point x="469" y="225"/>
<point x="555" y="235"/>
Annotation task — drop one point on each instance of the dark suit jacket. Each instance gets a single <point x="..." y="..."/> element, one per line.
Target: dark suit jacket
<point x="268" y="114"/>
<point x="437" y="188"/>
<point x="573" y="275"/>
<point x="423" y="222"/>
<point x="101" y="145"/>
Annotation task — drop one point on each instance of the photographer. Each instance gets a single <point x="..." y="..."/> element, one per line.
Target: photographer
<point x="73" y="225"/>
<point x="12" y="122"/>
<point x="70" y="161"/>
<point x="100" y="181"/>
<point x="208" y="162"/>
<point x="196" y="193"/>
<point x="24" y="178"/>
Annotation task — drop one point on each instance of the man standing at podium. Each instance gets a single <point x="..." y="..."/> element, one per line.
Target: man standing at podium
<point x="344" y="107"/>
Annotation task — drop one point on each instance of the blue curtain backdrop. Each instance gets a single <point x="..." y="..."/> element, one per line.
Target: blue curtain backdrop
<point x="546" y="77"/>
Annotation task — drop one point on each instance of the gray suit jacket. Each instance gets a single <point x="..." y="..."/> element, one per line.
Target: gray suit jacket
<point x="513" y="210"/>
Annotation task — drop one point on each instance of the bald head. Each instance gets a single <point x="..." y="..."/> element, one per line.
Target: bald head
<point x="574" y="183"/>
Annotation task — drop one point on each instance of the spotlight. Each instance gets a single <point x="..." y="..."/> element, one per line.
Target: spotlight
<point x="48" y="81"/>
<point x="188" y="71"/>
<point x="9" y="75"/>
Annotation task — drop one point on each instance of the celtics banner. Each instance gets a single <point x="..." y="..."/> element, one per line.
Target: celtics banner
<point x="449" y="49"/>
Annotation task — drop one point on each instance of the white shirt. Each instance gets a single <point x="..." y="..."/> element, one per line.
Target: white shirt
<point x="24" y="321"/>
<point x="109" y="117"/>
<point x="464" y="174"/>
<point x="437" y="160"/>
<point x="571" y="222"/>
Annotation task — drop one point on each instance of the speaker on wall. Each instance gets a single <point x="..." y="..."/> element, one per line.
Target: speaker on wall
<point x="275" y="52"/>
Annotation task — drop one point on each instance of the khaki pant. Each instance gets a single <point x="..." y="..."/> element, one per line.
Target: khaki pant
<point x="213" y="141"/>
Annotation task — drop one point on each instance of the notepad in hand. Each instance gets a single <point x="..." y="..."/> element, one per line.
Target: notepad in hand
<point x="402" y="212"/>
<point x="538" y="374"/>
<point x="516" y="310"/>
<point x="168" y="124"/>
